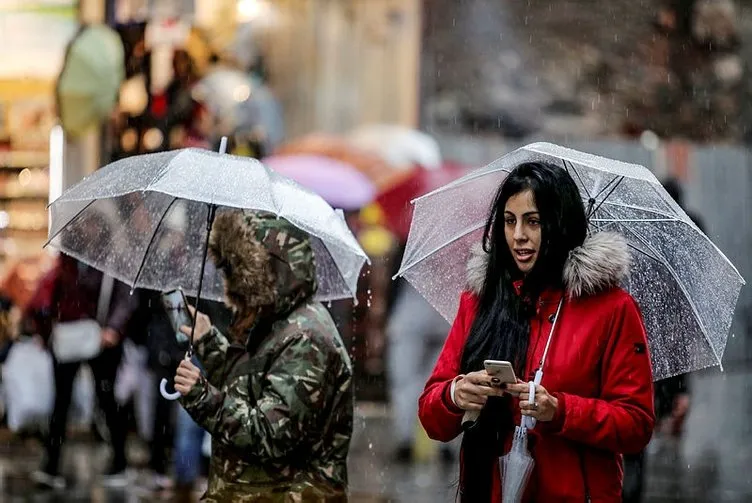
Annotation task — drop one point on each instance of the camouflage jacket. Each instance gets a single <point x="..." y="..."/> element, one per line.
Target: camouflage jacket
<point x="279" y="406"/>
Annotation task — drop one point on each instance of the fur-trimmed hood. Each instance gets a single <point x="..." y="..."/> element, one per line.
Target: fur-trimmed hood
<point x="602" y="262"/>
<point x="268" y="264"/>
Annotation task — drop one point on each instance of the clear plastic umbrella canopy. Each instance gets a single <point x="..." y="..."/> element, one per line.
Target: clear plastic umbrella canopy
<point x="516" y="467"/>
<point x="143" y="220"/>
<point x="685" y="286"/>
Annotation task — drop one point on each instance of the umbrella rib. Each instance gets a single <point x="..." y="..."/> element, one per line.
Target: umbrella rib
<point x="578" y="177"/>
<point x="633" y="220"/>
<point x="605" y="187"/>
<point x="621" y="179"/>
<point x="151" y="241"/>
<point x="643" y="252"/>
<point x="682" y="287"/>
<point x="661" y="198"/>
<point x="438" y="248"/>
<point x="675" y="219"/>
<point x="162" y="173"/>
<point x="461" y="181"/>
<point x="647" y="210"/>
<point x="70" y="221"/>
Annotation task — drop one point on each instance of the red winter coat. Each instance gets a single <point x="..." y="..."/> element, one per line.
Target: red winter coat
<point x="598" y="367"/>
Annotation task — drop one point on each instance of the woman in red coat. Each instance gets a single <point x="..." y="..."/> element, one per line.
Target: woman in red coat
<point x="595" y="401"/>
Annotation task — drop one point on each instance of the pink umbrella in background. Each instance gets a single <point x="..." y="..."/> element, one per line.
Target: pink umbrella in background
<point x="340" y="184"/>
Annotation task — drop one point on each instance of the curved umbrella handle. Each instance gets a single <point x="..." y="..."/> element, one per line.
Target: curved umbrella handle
<point x="165" y="394"/>
<point x="531" y="421"/>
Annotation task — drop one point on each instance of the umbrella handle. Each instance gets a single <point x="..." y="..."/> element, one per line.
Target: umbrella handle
<point x="165" y="394"/>
<point x="528" y="421"/>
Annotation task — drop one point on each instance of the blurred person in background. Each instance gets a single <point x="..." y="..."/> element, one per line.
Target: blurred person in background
<point x="671" y="394"/>
<point x="187" y="455"/>
<point x="70" y="292"/>
<point x="9" y="326"/>
<point x="416" y="332"/>
<point x="150" y="328"/>
<point x="276" y="396"/>
<point x="364" y="324"/>
<point x="171" y="118"/>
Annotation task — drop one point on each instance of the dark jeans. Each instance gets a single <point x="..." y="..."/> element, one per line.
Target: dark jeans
<point x="104" y="367"/>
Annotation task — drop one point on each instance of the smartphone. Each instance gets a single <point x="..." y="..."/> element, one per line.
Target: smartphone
<point x="504" y="371"/>
<point x="177" y="311"/>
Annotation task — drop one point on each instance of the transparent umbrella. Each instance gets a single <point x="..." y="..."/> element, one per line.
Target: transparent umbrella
<point x="516" y="467"/>
<point x="146" y="220"/>
<point x="686" y="287"/>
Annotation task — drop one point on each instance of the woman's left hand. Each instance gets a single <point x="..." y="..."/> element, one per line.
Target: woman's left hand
<point x="186" y="377"/>
<point x="544" y="408"/>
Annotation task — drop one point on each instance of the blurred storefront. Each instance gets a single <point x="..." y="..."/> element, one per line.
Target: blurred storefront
<point x="324" y="61"/>
<point x="28" y="75"/>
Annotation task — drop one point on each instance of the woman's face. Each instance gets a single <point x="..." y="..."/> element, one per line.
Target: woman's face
<point x="522" y="229"/>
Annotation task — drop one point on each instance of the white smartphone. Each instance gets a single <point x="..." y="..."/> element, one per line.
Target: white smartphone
<point x="503" y="371"/>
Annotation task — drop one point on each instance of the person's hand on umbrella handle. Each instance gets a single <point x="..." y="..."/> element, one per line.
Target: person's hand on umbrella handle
<point x="187" y="376"/>
<point x="471" y="391"/>
<point x="203" y="325"/>
<point x="543" y="405"/>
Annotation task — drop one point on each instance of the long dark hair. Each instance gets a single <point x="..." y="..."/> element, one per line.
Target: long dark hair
<point x="501" y="329"/>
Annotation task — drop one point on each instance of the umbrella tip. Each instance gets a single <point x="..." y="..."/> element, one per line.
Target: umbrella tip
<point x="223" y="145"/>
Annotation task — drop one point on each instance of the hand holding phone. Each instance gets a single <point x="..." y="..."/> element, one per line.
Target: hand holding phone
<point x="203" y="325"/>
<point x="502" y="371"/>
<point x="176" y="306"/>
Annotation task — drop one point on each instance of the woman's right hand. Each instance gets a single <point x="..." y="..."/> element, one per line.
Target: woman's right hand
<point x="203" y="325"/>
<point x="472" y="390"/>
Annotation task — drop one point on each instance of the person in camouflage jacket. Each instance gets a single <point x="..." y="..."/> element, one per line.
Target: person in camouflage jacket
<point x="276" y="395"/>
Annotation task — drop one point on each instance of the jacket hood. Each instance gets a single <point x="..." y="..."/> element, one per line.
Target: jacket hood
<point x="602" y="262"/>
<point x="268" y="263"/>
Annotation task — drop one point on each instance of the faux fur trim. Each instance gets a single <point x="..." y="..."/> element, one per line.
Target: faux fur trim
<point x="476" y="268"/>
<point x="233" y="243"/>
<point x="602" y="262"/>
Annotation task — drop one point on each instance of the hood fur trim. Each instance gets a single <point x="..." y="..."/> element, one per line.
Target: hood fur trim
<point x="250" y="283"/>
<point x="602" y="262"/>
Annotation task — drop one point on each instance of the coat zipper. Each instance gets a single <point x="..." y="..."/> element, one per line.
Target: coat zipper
<point x="585" y="484"/>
